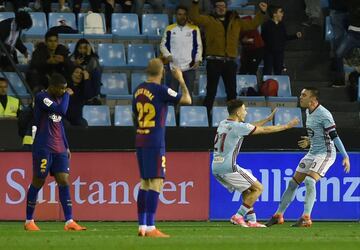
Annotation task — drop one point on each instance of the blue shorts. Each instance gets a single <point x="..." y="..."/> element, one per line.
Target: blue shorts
<point x="45" y="162"/>
<point x="151" y="162"/>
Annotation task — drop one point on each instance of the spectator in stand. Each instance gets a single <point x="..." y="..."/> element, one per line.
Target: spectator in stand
<point x="157" y="6"/>
<point x="85" y="57"/>
<point x="313" y="12"/>
<point x="46" y="6"/>
<point x="9" y="106"/>
<point x="182" y="47"/>
<point x="48" y="58"/>
<point x="350" y="41"/>
<point x="222" y="29"/>
<point x="84" y="89"/>
<point x="126" y="6"/>
<point x="10" y="35"/>
<point x="252" y="51"/>
<point x="275" y="36"/>
<point x="339" y="20"/>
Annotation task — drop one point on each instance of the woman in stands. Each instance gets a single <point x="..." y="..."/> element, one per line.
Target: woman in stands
<point x="85" y="57"/>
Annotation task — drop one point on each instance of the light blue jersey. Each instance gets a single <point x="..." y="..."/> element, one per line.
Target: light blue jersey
<point x="229" y="137"/>
<point x="318" y="124"/>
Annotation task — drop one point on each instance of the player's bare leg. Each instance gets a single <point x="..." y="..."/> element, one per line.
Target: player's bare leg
<point x="249" y="198"/>
<point x="286" y="199"/>
<point x="310" y="182"/>
<point x="62" y="179"/>
<point x="34" y="188"/>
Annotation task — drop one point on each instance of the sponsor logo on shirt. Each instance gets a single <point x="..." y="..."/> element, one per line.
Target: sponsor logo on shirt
<point x="47" y="102"/>
<point x="55" y="118"/>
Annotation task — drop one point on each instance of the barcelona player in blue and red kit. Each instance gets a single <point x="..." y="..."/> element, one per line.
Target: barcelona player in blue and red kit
<point x="150" y="104"/>
<point x="50" y="150"/>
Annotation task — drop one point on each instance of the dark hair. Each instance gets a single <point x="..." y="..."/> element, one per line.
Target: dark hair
<point x="2" y="79"/>
<point x="23" y="20"/>
<point x="314" y="92"/>
<point x="218" y="1"/>
<point x="233" y="105"/>
<point x="83" y="41"/>
<point x="51" y="33"/>
<point x="57" y="79"/>
<point x="181" y="7"/>
<point x="273" y="9"/>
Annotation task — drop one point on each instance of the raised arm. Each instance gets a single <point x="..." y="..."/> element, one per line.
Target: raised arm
<point x="50" y="106"/>
<point x="264" y="121"/>
<point x="194" y="14"/>
<point x="277" y="128"/>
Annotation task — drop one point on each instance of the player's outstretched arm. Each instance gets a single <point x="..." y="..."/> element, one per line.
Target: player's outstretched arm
<point x="277" y="128"/>
<point x="185" y="97"/>
<point x="264" y="121"/>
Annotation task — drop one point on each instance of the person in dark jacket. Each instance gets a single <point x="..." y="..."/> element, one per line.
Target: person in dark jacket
<point x="350" y="41"/>
<point x="48" y="58"/>
<point x="339" y="20"/>
<point x="275" y="36"/>
<point x="84" y="89"/>
<point x="10" y="35"/>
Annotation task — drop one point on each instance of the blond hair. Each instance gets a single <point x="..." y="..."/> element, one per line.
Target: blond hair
<point x="155" y="67"/>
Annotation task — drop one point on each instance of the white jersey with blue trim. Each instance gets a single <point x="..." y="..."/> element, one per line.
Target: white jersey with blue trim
<point x="229" y="137"/>
<point x="318" y="124"/>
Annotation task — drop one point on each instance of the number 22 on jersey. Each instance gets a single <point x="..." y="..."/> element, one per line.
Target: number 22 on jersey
<point x="146" y="115"/>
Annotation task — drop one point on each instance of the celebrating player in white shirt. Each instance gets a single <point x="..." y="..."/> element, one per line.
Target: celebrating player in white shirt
<point x="228" y="140"/>
<point x="321" y="138"/>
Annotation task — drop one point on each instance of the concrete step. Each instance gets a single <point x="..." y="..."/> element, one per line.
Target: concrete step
<point x="347" y="119"/>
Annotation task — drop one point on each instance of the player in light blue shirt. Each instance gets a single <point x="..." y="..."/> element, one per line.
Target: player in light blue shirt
<point x="229" y="137"/>
<point x="321" y="138"/>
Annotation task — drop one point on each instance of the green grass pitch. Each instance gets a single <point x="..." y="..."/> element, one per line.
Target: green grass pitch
<point x="184" y="235"/>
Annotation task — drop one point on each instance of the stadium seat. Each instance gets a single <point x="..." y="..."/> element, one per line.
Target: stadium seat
<point x="218" y="114"/>
<point x="284" y="84"/>
<point x="240" y="5"/>
<point x="193" y="116"/>
<point x="253" y="101"/>
<point x="69" y="18"/>
<point x="71" y="47"/>
<point x="136" y="79"/>
<point x="114" y="85"/>
<point x="139" y="55"/>
<point x="153" y="25"/>
<point x="125" y="26"/>
<point x="277" y="101"/>
<point x="17" y="84"/>
<point x="6" y="15"/>
<point x="284" y="115"/>
<point x="170" y="118"/>
<point x="97" y="115"/>
<point x="123" y="115"/>
<point x="202" y="87"/>
<point x="255" y="114"/>
<point x="329" y="33"/>
<point x="324" y="3"/>
<point x="38" y="28"/>
<point x="112" y="56"/>
<point x="245" y="81"/>
<point x="23" y="62"/>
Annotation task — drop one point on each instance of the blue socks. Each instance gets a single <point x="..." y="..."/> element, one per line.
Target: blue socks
<point x="31" y="201"/>
<point x="287" y="197"/>
<point x="141" y="206"/>
<point x="152" y="198"/>
<point x="310" y="195"/>
<point x="64" y="194"/>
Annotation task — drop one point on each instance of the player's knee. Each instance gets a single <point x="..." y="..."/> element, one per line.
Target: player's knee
<point x="309" y="181"/>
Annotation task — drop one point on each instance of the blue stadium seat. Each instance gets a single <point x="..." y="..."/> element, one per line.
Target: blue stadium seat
<point x="245" y="81"/>
<point x="239" y="4"/>
<point x="98" y="38"/>
<point x="329" y="32"/>
<point x="123" y="115"/>
<point x="114" y="85"/>
<point x="193" y="116"/>
<point x="153" y="25"/>
<point x="251" y="101"/>
<point x="23" y="62"/>
<point x="278" y="101"/>
<point x="136" y="79"/>
<point x="54" y="19"/>
<point x="125" y="26"/>
<point x="255" y="114"/>
<point x="97" y="115"/>
<point x="17" y="84"/>
<point x="111" y="56"/>
<point x="218" y="114"/>
<point x="202" y="86"/>
<point x="170" y="118"/>
<point x="324" y="3"/>
<point x="6" y="15"/>
<point x="71" y="47"/>
<point x="38" y="28"/>
<point x="284" y="115"/>
<point x="139" y="55"/>
<point x="284" y="84"/>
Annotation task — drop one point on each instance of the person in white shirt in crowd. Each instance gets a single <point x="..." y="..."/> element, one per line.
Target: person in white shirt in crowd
<point x="181" y="47"/>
